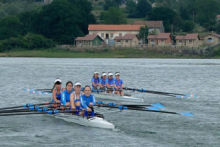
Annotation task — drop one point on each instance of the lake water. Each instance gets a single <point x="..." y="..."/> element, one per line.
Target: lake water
<point x="133" y="128"/>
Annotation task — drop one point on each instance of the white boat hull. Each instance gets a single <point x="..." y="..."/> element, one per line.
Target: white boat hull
<point x="114" y="97"/>
<point x="91" y="122"/>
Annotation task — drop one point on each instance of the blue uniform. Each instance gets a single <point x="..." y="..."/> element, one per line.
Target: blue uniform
<point x="118" y="83"/>
<point x="103" y="82"/>
<point x="111" y="82"/>
<point x="65" y="97"/>
<point x="58" y="96"/>
<point x="95" y="80"/>
<point x="85" y="101"/>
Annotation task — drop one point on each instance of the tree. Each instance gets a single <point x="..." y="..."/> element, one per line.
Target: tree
<point x="206" y="13"/>
<point x="64" y="20"/>
<point x="112" y="3"/>
<point x="169" y="17"/>
<point x="10" y="26"/>
<point x="188" y="26"/>
<point x="131" y="8"/>
<point x="143" y="8"/>
<point x="218" y="28"/>
<point x="143" y="33"/>
<point x="114" y="16"/>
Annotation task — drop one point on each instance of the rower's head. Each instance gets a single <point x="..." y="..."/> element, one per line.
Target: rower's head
<point x="117" y="75"/>
<point x="110" y="75"/>
<point x="96" y="74"/>
<point x="77" y="87"/>
<point x="104" y="75"/>
<point x="69" y="86"/>
<point x="87" y="90"/>
<point x="57" y="84"/>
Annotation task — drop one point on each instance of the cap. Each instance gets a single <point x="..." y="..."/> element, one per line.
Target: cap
<point x="77" y="84"/>
<point x="57" y="80"/>
<point x="104" y="74"/>
<point x="117" y="74"/>
<point x="110" y="74"/>
<point x="96" y="72"/>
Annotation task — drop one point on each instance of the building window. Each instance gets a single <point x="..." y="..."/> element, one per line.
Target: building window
<point x="111" y="35"/>
<point x="102" y="35"/>
<point x="180" y="41"/>
<point x="126" y="40"/>
<point x="190" y="41"/>
<point x="120" y="34"/>
<point x="210" y="39"/>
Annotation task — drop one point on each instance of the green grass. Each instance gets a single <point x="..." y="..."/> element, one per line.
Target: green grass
<point x="106" y="53"/>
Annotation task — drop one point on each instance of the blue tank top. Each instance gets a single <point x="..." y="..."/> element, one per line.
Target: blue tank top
<point x="96" y="81"/>
<point x="118" y="83"/>
<point x="65" y="97"/>
<point x="103" y="82"/>
<point x="58" y="96"/>
<point x="111" y="82"/>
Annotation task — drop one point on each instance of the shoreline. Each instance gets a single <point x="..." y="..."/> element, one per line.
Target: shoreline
<point x="119" y="53"/>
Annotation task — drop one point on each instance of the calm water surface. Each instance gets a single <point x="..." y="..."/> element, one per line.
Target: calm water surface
<point x="133" y="128"/>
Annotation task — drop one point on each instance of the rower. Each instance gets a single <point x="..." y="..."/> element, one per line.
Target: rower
<point x="75" y="98"/>
<point x="119" y="84"/>
<point x="95" y="81"/>
<point x="103" y="81"/>
<point x="110" y="83"/>
<point x="56" y="93"/>
<point x="88" y="101"/>
<point x="65" y="97"/>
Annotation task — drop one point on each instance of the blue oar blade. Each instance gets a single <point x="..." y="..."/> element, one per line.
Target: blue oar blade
<point x="186" y="113"/>
<point x="158" y="105"/>
<point x="153" y="108"/>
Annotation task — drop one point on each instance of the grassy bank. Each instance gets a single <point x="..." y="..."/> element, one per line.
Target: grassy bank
<point x="118" y="53"/>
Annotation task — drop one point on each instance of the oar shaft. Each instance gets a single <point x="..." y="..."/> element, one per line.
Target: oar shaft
<point x="154" y="92"/>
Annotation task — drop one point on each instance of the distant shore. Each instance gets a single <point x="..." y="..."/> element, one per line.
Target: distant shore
<point x="118" y="53"/>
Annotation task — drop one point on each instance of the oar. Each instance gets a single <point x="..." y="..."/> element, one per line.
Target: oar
<point x="47" y="90"/>
<point x="177" y="95"/>
<point x="156" y="105"/>
<point x="153" y="109"/>
<point x="26" y="105"/>
<point x="36" y="112"/>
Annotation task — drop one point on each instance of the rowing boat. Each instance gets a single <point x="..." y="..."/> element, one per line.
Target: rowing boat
<point x="115" y="97"/>
<point x="96" y="121"/>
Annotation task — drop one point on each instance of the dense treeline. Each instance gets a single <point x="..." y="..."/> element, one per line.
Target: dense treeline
<point x="63" y="20"/>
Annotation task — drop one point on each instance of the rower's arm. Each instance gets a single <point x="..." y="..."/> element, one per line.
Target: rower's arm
<point x="72" y="98"/>
<point x="54" y="95"/>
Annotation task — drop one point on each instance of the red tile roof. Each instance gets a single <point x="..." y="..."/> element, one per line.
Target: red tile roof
<point x="114" y="27"/>
<point x="150" y="24"/>
<point x="159" y="36"/>
<point x="126" y="37"/>
<point x="187" y="37"/>
<point x="88" y="37"/>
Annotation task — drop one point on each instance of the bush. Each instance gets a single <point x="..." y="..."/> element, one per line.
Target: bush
<point x="29" y="41"/>
<point x="217" y="51"/>
<point x="38" y="41"/>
